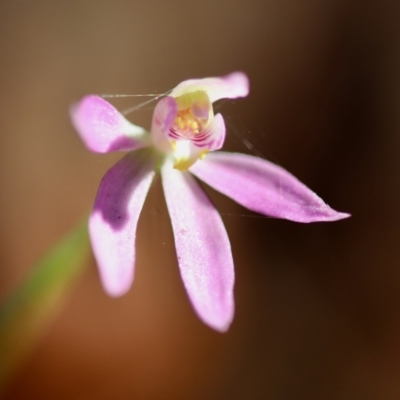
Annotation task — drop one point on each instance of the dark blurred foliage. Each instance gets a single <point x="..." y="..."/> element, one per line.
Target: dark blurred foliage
<point x="318" y="306"/>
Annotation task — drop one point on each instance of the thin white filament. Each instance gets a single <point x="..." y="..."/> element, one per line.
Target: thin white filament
<point x="243" y="139"/>
<point x="139" y="106"/>
<point x="244" y="215"/>
<point x="107" y="96"/>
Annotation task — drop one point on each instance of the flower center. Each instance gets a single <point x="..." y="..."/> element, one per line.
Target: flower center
<point x="194" y="114"/>
<point x="186" y="124"/>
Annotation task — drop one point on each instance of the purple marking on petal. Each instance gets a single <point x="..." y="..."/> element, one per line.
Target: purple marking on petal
<point x="203" y="248"/>
<point x="125" y="143"/>
<point x="230" y="86"/>
<point x="174" y="135"/>
<point x="163" y="117"/>
<point x="264" y="187"/>
<point x="112" y="224"/>
<point x="213" y="136"/>
<point x="103" y="129"/>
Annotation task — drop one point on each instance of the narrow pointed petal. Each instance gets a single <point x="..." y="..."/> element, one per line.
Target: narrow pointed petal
<point x="203" y="248"/>
<point x="113" y="222"/>
<point x="230" y="86"/>
<point x="264" y="187"/>
<point x="103" y="129"/>
<point x="213" y="137"/>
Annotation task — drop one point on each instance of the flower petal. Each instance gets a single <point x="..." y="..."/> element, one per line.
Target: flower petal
<point x="264" y="187"/>
<point x="230" y="86"/>
<point x="103" y="129"/>
<point x="212" y="138"/>
<point x="203" y="248"/>
<point x="112" y="224"/>
<point x="163" y="117"/>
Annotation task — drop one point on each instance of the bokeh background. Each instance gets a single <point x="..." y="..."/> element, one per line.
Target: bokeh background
<point x="318" y="306"/>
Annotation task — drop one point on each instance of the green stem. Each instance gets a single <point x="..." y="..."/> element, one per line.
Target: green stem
<point x="26" y="313"/>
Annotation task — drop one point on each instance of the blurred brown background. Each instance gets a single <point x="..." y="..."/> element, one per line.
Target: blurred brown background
<point x="318" y="306"/>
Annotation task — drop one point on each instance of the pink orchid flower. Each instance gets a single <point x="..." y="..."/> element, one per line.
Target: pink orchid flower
<point x="183" y="137"/>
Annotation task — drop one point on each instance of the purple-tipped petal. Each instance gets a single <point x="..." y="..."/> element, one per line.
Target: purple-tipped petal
<point x="213" y="137"/>
<point x="230" y="86"/>
<point x="112" y="224"/>
<point x="203" y="248"/>
<point x="264" y="187"/>
<point x="103" y="129"/>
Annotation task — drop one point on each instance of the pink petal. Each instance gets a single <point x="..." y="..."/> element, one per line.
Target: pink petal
<point x="163" y="117"/>
<point x="213" y="137"/>
<point x="264" y="187"/>
<point x="112" y="224"/>
<point x="203" y="248"/>
<point x="103" y="129"/>
<point x="230" y="86"/>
